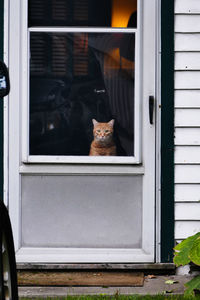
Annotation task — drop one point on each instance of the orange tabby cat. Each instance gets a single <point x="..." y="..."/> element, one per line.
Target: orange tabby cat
<point x="103" y="143"/>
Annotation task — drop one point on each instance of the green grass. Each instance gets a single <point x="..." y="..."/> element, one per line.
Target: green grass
<point x="118" y="297"/>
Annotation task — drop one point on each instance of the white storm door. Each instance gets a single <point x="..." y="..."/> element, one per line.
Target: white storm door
<point x="75" y="63"/>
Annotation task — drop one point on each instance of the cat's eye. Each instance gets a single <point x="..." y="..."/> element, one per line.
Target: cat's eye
<point x="106" y="130"/>
<point x="98" y="130"/>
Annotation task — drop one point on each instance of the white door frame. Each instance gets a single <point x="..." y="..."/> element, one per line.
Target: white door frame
<point x="14" y="166"/>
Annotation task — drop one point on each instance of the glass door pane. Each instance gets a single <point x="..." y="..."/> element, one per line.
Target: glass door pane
<point x="75" y="78"/>
<point x="95" y="13"/>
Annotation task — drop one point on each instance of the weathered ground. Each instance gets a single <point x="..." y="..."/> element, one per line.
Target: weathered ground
<point x="153" y="285"/>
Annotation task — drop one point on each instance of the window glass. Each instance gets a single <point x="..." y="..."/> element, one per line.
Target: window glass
<point x="96" y="13"/>
<point x="75" y="78"/>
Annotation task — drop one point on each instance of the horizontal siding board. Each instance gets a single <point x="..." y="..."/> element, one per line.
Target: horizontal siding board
<point x="187" y="154"/>
<point x="187" y="136"/>
<point x="183" y="229"/>
<point x="187" y="211"/>
<point x="187" y="61"/>
<point x="187" y="192"/>
<point x="187" y="174"/>
<point x="185" y="117"/>
<point x="187" y="80"/>
<point x="187" y="42"/>
<point x="187" y="23"/>
<point x="187" y="98"/>
<point x="187" y="7"/>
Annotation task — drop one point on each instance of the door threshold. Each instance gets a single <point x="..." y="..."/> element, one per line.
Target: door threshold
<point x="153" y="267"/>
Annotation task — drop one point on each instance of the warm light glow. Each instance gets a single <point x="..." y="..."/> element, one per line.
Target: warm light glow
<point x="112" y="61"/>
<point x="121" y="12"/>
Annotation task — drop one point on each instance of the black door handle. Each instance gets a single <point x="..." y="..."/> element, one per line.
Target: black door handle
<point x="151" y="109"/>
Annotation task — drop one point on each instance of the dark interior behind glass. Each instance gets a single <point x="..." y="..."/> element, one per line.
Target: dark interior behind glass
<point x="95" y="13"/>
<point x="75" y="77"/>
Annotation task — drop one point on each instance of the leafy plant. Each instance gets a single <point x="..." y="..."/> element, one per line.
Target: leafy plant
<point x="189" y="251"/>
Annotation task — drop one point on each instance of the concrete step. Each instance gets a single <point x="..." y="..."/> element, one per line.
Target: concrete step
<point x="152" y="285"/>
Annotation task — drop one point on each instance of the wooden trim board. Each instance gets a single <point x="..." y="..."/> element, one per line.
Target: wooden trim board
<point x="167" y="130"/>
<point x="30" y="278"/>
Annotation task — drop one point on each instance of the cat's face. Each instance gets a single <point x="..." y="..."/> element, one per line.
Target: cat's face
<point x="103" y="132"/>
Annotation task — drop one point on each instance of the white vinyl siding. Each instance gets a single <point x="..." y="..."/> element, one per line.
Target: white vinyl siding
<point x="182" y="96"/>
<point x="185" y="173"/>
<point x="187" y="7"/>
<point x="191" y="213"/>
<point x="187" y="155"/>
<point x="187" y="23"/>
<point x="187" y="193"/>
<point x="188" y="136"/>
<point x="187" y="80"/>
<point x="186" y="228"/>
<point x="187" y="61"/>
<point x="187" y="118"/>
<point x="187" y="42"/>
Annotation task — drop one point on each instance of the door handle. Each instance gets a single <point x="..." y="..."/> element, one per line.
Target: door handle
<point x="151" y="109"/>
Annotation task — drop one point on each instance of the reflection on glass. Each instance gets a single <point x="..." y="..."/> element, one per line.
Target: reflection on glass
<point x="96" y="13"/>
<point x="77" y="77"/>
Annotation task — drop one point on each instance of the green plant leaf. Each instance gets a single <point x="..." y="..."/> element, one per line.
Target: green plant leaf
<point x="182" y="250"/>
<point x="192" y="285"/>
<point x="194" y="253"/>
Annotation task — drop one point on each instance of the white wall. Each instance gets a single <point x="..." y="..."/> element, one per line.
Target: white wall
<point x="187" y="118"/>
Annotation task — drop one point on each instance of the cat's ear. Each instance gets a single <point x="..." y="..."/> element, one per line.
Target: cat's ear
<point x="94" y="122"/>
<point x="111" y="122"/>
